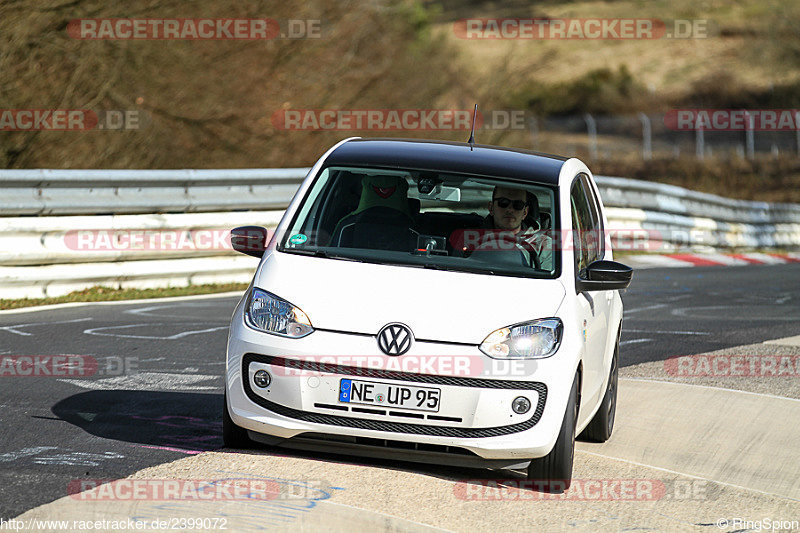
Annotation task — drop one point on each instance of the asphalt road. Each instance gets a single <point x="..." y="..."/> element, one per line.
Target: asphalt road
<point x="167" y="404"/>
<point x="685" y="311"/>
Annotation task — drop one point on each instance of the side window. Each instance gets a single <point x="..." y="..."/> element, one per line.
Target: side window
<point x="582" y="226"/>
<point x="596" y="235"/>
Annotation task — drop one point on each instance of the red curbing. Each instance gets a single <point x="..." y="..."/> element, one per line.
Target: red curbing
<point x="696" y="260"/>
<point x="787" y="258"/>
<point x="752" y="259"/>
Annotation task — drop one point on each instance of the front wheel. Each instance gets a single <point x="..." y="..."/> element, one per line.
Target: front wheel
<point x="601" y="426"/>
<point x="554" y="470"/>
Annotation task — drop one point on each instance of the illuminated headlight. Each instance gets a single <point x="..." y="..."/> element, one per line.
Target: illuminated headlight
<point x="266" y="312"/>
<point x="539" y="338"/>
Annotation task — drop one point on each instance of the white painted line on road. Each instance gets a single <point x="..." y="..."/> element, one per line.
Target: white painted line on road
<point x="696" y="313"/>
<point x="648" y="308"/>
<point x="634" y="341"/>
<point x="147" y="381"/>
<point x="53" y="457"/>
<point x="25" y="452"/>
<point x="667" y="332"/>
<point x="742" y="487"/>
<point x="77" y="458"/>
<point x="119" y="302"/>
<point x="96" y="331"/>
<point x="146" y="311"/>
<point x="14" y="328"/>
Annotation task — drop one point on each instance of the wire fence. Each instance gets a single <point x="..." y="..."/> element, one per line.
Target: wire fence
<point x="594" y="137"/>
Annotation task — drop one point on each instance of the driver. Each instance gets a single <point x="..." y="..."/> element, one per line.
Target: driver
<point x="507" y="211"/>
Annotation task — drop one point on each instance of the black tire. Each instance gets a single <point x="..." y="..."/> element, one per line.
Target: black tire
<point x="233" y="436"/>
<point x="601" y="426"/>
<point x="553" y="472"/>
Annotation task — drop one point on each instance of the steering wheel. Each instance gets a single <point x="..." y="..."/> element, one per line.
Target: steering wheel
<point x="507" y="237"/>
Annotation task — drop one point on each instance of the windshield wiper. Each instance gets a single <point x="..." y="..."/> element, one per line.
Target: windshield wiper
<point x="320" y="253"/>
<point x="460" y="268"/>
<point x="313" y="253"/>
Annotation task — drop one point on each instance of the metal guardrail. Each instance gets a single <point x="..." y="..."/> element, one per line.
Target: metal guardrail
<point x="73" y="192"/>
<point x="646" y="195"/>
<point x="39" y="207"/>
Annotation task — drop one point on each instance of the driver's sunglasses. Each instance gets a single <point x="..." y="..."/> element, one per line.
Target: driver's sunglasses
<point x="502" y="203"/>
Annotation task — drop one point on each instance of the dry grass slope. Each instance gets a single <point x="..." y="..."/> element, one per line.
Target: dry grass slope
<point x="210" y="102"/>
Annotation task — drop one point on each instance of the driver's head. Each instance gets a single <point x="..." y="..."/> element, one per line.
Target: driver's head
<point x="508" y="208"/>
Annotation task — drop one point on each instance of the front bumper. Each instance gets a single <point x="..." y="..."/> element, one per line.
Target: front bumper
<point x="475" y="412"/>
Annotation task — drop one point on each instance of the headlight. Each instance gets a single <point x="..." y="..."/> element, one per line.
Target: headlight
<point x="266" y="312"/>
<point x="539" y="338"/>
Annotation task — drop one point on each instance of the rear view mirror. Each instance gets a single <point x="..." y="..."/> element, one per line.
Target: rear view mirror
<point x="604" y="276"/>
<point x="250" y="240"/>
<point x="443" y="193"/>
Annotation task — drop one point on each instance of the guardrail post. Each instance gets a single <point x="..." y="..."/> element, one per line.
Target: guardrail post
<point x="750" y="136"/>
<point x="797" y="129"/>
<point x="699" y="142"/>
<point x="647" y="137"/>
<point x="591" y="127"/>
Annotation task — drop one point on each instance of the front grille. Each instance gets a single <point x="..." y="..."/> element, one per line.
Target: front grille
<point x="386" y="443"/>
<point x="401" y="414"/>
<point x="392" y="426"/>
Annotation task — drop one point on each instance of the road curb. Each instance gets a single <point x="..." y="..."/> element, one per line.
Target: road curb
<point x="693" y="260"/>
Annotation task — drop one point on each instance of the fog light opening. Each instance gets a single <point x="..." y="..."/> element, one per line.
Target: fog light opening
<point x="521" y="405"/>
<point x="262" y="378"/>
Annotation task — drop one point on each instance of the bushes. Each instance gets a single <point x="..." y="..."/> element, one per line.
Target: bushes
<point x="600" y="91"/>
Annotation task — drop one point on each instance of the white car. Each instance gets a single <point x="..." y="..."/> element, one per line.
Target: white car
<point x="392" y="315"/>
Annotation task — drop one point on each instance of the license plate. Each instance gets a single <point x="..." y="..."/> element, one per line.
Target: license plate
<point x="389" y="395"/>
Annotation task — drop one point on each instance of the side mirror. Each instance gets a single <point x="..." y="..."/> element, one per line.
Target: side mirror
<point x="604" y="276"/>
<point x="250" y="240"/>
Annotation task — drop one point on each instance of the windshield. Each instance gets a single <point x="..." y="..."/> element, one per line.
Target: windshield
<point x="428" y="219"/>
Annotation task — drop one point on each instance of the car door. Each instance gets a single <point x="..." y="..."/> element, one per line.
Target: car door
<point x="592" y="306"/>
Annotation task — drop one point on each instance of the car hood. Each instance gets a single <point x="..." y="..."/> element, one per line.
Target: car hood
<point x="437" y="305"/>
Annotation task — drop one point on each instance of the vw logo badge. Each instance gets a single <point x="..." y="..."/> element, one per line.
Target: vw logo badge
<point x="394" y="339"/>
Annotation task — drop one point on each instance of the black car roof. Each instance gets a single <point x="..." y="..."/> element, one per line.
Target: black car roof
<point x="451" y="157"/>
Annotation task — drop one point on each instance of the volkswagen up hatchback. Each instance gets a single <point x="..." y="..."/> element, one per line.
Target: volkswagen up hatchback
<point x="392" y="316"/>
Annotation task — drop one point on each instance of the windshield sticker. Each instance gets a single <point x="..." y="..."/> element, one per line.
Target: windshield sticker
<point x="298" y="239"/>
